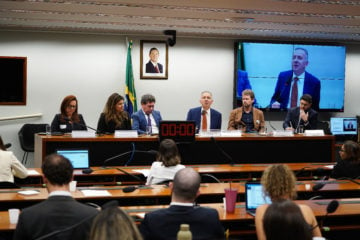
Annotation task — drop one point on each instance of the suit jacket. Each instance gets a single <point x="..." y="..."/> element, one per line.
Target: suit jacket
<point x="55" y="213"/>
<point x="236" y="123"/>
<point x="140" y="121"/>
<point x="151" y="69"/>
<point x="164" y="224"/>
<point x="57" y="121"/>
<point x="10" y="166"/>
<point x="346" y="169"/>
<point x="195" y="115"/>
<point x="312" y="86"/>
<point x="109" y="127"/>
<point x="293" y="116"/>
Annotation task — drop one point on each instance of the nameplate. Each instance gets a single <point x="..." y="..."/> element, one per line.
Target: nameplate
<point x="281" y="133"/>
<point x="82" y="134"/>
<point x="317" y="132"/>
<point x="231" y="133"/>
<point x="210" y="133"/>
<point x="126" y="133"/>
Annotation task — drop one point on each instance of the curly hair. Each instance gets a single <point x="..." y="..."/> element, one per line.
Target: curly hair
<point x="279" y="182"/>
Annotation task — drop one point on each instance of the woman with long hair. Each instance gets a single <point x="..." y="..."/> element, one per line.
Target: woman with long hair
<point x="349" y="165"/>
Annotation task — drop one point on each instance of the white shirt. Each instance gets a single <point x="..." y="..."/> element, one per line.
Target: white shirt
<point x="159" y="173"/>
<point x="10" y="166"/>
<point x="154" y="128"/>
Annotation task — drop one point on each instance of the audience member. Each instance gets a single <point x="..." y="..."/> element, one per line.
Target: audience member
<point x="112" y="223"/>
<point x="279" y="184"/>
<point x="349" y="165"/>
<point x="206" y="118"/>
<point x="164" y="224"/>
<point x="147" y="116"/>
<point x="301" y="116"/>
<point x="283" y="220"/>
<point x="167" y="163"/>
<point x="296" y="82"/>
<point x="247" y="118"/>
<point x="68" y="119"/>
<point x="10" y="166"/>
<point x="113" y="116"/>
<point x="153" y="66"/>
<point x="60" y="216"/>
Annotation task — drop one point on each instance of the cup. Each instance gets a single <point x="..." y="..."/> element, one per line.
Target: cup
<point x="307" y="186"/>
<point x="14" y="215"/>
<point x="48" y="130"/>
<point x="72" y="186"/>
<point x="230" y="199"/>
<point x="301" y="129"/>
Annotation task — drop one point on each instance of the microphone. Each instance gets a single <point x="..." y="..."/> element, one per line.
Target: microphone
<point x="211" y="176"/>
<point x="131" y="175"/>
<point x="152" y="152"/>
<point x="227" y="156"/>
<point x="331" y="207"/>
<point x="319" y="185"/>
<point x="7" y="145"/>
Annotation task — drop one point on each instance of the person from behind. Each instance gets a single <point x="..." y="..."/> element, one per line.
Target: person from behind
<point x="349" y="164"/>
<point x="60" y="216"/>
<point x="283" y="220"/>
<point x="164" y="224"/>
<point x="205" y="117"/>
<point x="114" y="117"/>
<point x="68" y="119"/>
<point x="113" y="223"/>
<point x="147" y="117"/>
<point x="303" y="116"/>
<point x="10" y="166"/>
<point x="278" y="183"/>
<point x="167" y="163"/>
<point x="247" y="118"/>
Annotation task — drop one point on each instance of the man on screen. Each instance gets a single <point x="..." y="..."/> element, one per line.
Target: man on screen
<point x="153" y="66"/>
<point x="296" y="82"/>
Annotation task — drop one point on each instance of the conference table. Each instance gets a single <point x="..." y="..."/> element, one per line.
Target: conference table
<point x="248" y="148"/>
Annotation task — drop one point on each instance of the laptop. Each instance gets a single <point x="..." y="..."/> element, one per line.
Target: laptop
<point x="254" y="197"/>
<point x="79" y="158"/>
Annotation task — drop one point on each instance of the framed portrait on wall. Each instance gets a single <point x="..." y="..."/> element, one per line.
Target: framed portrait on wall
<point x="153" y="59"/>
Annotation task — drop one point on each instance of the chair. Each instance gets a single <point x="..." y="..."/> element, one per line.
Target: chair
<point x="26" y="137"/>
<point x="324" y="125"/>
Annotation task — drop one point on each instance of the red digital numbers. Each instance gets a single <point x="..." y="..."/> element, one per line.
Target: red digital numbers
<point x="177" y="130"/>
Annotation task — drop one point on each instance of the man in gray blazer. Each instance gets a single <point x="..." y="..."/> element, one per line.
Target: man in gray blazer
<point x="60" y="216"/>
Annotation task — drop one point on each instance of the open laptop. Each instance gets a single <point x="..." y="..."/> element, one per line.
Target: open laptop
<point x="254" y="197"/>
<point x="79" y="158"/>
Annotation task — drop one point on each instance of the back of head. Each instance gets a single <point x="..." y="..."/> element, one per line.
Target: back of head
<point x="168" y="153"/>
<point x="57" y="169"/>
<point x="113" y="224"/>
<point x="352" y="151"/>
<point x="186" y="185"/>
<point x="279" y="182"/>
<point x="283" y="220"/>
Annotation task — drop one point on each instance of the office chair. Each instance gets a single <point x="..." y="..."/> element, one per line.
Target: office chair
<point x="324" y="125"/>
<point x="26" y="137"/>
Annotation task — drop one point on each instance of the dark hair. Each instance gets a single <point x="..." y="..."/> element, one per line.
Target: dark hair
<point x="111" y="114"/>
<point x="57" y="169"/>
<point x="65" y="103"/>
<point x="283" y="220"/>
<point x="152" y="49"/>
<point x="2" y="146"/>
<point x="113" y="223"/>
<point x="147" y="98"/>
<point x="168" y="153"/>
<point x="186" y="184"/>
<point x="352" y="151"/>
<point x="307" y="98"/>
<point x="249" y="92"/>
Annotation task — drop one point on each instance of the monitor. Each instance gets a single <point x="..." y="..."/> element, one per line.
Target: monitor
<point x="79" y="158"/>
<point x="343" y="126"/>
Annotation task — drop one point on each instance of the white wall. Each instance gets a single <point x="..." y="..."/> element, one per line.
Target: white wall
<point x="93" y="66"/>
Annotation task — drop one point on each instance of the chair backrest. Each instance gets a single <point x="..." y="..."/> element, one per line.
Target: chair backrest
<point x="324" y="125"/>
<point x="26" y="135"/>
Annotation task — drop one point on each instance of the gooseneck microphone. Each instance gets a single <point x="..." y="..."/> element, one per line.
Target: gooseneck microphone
<point x="320" y="185"/>
<point x="331" y="207"/>
<point x="227" y="156"/>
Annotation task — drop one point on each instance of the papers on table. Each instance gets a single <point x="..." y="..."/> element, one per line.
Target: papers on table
<point x="95" y="193"/>
<point x="144" y="172"/>
<point x="28" y="192"/>
<point x="33" y="172"/>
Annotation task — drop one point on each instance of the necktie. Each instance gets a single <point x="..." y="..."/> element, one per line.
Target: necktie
<point x="294" y="93"/>
<point x="157" y="69"/>
<point x="149" y="122"/>
<point x="204" y="121"/>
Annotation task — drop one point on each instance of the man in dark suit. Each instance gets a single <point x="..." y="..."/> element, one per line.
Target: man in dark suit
<point x="60" y="216"/>
<point x="147" y="120"/>
<point x="164" y="224"/>
<point x="153" y="66"/>
<point x="303" y="116"/>
<point x="213" y="117"/>
<point x="305" y="83"/>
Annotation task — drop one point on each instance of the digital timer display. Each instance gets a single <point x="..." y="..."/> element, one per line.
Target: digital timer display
<point x="179" y="131"/>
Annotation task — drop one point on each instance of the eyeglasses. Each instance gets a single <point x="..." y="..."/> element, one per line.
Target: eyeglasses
<point x="71" y="106"/>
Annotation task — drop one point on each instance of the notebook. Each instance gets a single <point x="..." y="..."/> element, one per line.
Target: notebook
<point x="78" y="157"/>
<point x="254" y="197"/>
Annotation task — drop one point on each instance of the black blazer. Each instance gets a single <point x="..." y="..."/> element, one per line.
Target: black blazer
<point x="293" y="116"/>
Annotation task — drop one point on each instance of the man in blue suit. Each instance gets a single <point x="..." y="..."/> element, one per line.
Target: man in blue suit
<point x="213" y="117"/>
<point x="147" y="120"/>
<point x="306" y="83"/>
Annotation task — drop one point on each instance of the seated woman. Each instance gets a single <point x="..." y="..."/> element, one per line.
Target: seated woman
<point x="167" y="163"/>
<point x="10" y="166"/>
<point x="349" y="165"/>
<point x="68" y="119"/>
<point x="279" y="184"/>
<point x="114" y="117"/>
<point x="283" y="220"/>
<point x="112" y="223"/>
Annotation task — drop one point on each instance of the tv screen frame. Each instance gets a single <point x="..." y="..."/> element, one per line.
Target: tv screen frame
<point x="261" y="62"/>
<point x="340" y="126"/>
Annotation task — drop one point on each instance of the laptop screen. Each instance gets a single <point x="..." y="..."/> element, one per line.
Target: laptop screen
<point x="79" y="158"/>
<point x="254" y="195"/>
<point x="343" y="125"/>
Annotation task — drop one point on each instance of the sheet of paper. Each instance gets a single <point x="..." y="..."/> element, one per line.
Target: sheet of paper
<point x="33" y="172"/>
<point x="94" y="193"/>
<point x="144" y="172"/>
<point x="28" y="192"/>
<point x="329" y="166"/>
